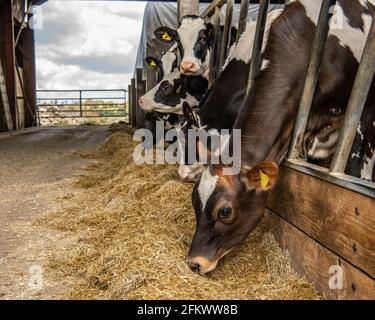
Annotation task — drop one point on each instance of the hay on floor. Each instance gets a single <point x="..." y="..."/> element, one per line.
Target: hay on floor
<point x="133" y="226"/>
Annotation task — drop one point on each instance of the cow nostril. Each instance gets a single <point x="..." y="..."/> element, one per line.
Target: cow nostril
<point x="195" y="267"/>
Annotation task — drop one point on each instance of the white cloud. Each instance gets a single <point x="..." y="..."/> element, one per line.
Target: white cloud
<point x="87" y="45"/>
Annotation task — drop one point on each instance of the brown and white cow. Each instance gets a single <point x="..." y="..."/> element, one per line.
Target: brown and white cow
<point x="228" y="207"/>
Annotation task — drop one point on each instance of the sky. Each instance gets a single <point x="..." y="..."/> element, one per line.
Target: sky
<point x="87" y="44"/>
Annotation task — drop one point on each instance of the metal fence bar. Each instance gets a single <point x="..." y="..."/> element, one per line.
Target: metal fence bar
<point x="105" y="107"/>
<point x="256" y="58"/>
<point x="242" y="20"/>
<point x="210" y="10"/>
<point x="214" y="65"/>
<point x="311" y="79"/>
<point x="226" y="33"/>
<point x="356" y="103"/>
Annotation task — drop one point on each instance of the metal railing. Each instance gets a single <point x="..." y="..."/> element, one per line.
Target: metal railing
<point x="336" y="173"/>
<point x="71" y="104"/>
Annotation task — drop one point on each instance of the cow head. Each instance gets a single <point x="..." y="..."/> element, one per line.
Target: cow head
<point x="166" y="65"/>
<point x="227" y="208"/>
<point x="169" y="95"/>
<point x="194" y="38"/>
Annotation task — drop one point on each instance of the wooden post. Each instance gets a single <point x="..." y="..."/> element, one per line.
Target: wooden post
<point x="141" y="90"/>
<point x="133" y="104"/>
<point x="29" y="71"/>
<point x="8" y="55"/>
<point x="187" y="7"/>
<point x="128" y="103"/>
<point x="214" y="65"/>
<point x="226" y="34"/>
<point x="242" y="20"/>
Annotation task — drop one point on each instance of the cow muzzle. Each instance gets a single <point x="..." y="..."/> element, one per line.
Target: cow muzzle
<point x="188" y="67"/>
<point x="201" y="265"/>
<point x="145" y="104"/>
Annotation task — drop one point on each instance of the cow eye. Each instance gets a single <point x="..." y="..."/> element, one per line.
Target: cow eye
<point x="225" y="213"/>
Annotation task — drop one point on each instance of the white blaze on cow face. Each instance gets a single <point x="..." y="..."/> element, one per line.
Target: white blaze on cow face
<point x="168" y="59"/>
<point x="206" y="186"/>
<point x="188" y="34"/>
<point x="243" y="50"/>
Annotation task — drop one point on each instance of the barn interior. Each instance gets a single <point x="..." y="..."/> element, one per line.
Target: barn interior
<point x="81" y="221"/>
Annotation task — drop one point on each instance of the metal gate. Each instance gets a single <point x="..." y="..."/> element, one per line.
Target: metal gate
<point x="80" y="106"/>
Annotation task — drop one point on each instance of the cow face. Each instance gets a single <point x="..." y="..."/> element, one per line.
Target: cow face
<point x="166" y="65"/>
<point x="169" y="95"/>
<point x="227" y="209"/>
<point x="194" y="38"/>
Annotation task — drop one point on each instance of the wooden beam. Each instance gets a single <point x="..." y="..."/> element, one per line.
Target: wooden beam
<point x="133" y="113"/>
<point x="140" y="91"/>
<point x="340" y="219"/>
<point x="188" y="7"/>
<point x="318" y="264"/>
<point x="151" y="76"/>
<point x="27" y="41"/>
<point x="8" y="55"/>
<point x="210" y="10"/>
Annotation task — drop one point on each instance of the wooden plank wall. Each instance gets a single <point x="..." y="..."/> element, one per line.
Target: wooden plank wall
<point x="321" y="225"/>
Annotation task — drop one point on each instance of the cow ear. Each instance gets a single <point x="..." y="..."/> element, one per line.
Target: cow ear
<point x="166" y="34"/>
<point x="153" y="62"/>
<point x="263" y="176"/>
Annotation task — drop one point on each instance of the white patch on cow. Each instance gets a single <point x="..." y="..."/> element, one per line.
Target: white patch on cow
<point x="323" y="150"/>
<point x="373" y="123"/>
<point x="365" y="2"/>
<point x="354" y="39"/>
<point x="356" y="155"/>
<point x="359" y="131"/>
<point x="368" y="167"/>
<point x="243" y="50"/>
<point x="207" y="186"/>
<point x="188" y="32"/>
<point x="167" y="60"/>
<point x="348" y="36"/>
<point x="190" y="172"/>
<point x="149" y="97"/>
<point x="265" y="64"/>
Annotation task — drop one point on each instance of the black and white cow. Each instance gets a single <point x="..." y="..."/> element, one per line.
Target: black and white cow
<point x="166" y="64"/>
<point x="194" y="38"/>
<point x="228" y="207"/>
<point x="175" y="89"/>
<point x="220" y="106"/>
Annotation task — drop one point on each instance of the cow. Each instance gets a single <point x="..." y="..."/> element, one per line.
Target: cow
<point x="194" y="38"/>
<point x="220" y="106"/>
<point x="169" y="95"/>
<point x="195" y="41"/>
<point x="362" y="158"/>
<point x="229" y="207"/>
<point x="166" y="64"/>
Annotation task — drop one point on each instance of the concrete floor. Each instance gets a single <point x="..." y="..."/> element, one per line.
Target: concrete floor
<point x="35" y="168"/>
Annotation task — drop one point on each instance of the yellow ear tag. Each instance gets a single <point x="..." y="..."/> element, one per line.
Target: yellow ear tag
<point x="166" y="37"/>
<point x="153" y="63"/>
<point x="178" y="90"/>
<point x="195" y="116"/>
<point x="264" y="179"/>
